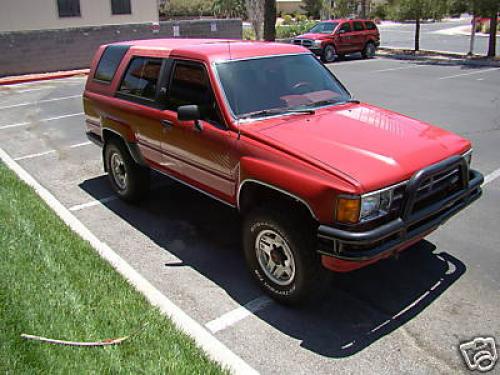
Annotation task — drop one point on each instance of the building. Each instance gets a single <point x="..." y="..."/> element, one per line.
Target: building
<point x="21" y="15"/>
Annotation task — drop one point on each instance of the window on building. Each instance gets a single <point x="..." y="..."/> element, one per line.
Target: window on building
<point x="68" y="8"/>
<point x="141" y="79"/>
<point x="358" y="26"/>
<point x="109" y="62"/>
<point x="121" y="7"/>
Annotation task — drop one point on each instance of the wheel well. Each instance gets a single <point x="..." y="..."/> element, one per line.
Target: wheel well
<point x="253" y="195"/>
<point x="108" y="136"/>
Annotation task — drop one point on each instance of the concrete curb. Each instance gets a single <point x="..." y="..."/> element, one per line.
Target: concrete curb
<point x="12" y="80"/>
<point x="214" y="349"/>
<point x="445" y="57"/>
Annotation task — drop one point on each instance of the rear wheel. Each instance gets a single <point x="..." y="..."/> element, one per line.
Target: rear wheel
<point x="128" y="179"/>
<point x="369" y="50"/>
<point x="280" y="255"/>
<point x="329" y="54"/>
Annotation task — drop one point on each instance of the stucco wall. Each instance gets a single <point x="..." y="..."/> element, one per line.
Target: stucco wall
<point x="63" y="49"/>
<point x="18" y="15"/>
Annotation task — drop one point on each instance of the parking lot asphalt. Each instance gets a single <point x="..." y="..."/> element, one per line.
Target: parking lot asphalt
<point x="405" y="315"/>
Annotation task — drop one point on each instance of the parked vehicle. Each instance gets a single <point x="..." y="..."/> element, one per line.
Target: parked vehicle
<point x="318" y="177"/>
<point x="337" y="38"/>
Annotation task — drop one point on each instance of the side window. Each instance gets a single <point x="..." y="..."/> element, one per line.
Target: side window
<point x="109" y="62"/>
<point x="346" y="27"/>
<point x="141" y="79"/>
<point x="190" y="85"/>
<point x="358" y="26"/>
<point x="370" y="26"/>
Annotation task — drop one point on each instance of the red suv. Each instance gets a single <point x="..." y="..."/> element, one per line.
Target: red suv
<point x="337" y="38"/>
<point x="318" y="177"/>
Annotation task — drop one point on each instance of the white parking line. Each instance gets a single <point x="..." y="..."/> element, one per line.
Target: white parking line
<point x="31" y="156"/>
<point x="470" y="73"/>
<point x="42" y="120"/>
<point x="93" y="203"/>
<point x="41" y="101"/>
<point x="399" y="68"/>
<point x="215" y="349"/>
<point x="491" y="177"/>
<point x="240" y="313"/>
<point x="336" y="64"/>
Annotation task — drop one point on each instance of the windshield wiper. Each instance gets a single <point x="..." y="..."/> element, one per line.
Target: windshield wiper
<point x="332" y="102"/>
<point x="277" y="111"/>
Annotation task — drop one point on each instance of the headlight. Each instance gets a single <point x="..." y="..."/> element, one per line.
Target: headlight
<point x="317" y="43"/>
<point x="352" y="210"/>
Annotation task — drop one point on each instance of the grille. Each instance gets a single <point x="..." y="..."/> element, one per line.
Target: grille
<point x="437" y="187"/>
<point x="303" y="42"/>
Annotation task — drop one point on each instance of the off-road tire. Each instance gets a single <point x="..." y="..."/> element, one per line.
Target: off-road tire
<point x="137" y="180"/>
<point x="300" y="240"/>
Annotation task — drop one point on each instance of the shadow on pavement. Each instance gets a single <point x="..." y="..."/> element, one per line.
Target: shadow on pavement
<point x="351" y="311"/>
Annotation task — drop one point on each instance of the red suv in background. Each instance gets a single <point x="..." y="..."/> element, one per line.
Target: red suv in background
<point x="336" y="38"/>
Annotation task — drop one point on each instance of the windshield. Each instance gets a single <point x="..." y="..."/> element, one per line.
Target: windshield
<point x="276" y="83"/>
<point x="324" y="28"/>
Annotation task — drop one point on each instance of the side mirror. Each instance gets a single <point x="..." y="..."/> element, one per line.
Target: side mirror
<point x="190" y="113"/>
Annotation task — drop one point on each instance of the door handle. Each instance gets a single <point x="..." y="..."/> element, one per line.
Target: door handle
<point x="167" y="124"/>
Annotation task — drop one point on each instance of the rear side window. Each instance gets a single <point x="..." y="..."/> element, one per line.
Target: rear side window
<point x="346" y="27"/>
<point x="370" y="26"/>
<point x="109" y="62"/>
<point x="358" y="26"/>
<point x="141" y="79"/>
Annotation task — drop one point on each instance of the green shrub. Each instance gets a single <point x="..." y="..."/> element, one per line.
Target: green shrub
<point x="175" y="8"/>
<point x="287" y="19"/>
<point x="248" y="33"/>
<point x="289" y="31"/>
<point x="301" y="18"/>
<point x="478" y="27"/>
<point x="380" y="11"/>
<point x="485" y="28"/>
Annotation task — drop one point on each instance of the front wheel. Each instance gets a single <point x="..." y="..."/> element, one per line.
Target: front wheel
<point x="280" y="255"/>
<point x="329" y="54"/>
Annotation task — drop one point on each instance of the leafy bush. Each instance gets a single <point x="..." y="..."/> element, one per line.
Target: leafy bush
<point x="174" y="8"/>
<point x="485" y="28"/>
<point x="229" y="8"/>
<point x="301" y="18"/>
<point x="287" y="19"/>
<point x="248" y="33"/>
<point x="380" y="12"/>
<point x="289" y="31"/>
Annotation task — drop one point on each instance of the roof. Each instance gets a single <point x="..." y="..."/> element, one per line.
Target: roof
<point x="214" y="49"/>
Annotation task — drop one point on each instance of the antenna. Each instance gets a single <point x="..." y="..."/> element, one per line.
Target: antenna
<point x="229" y="48"/>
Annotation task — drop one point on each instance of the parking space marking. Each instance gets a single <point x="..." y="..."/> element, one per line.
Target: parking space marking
<point x="398" y="68"/>
<point x="491" y="177"/>
<point x="42" y="120"/>
<point x="48" y="152"/>
<point x="232" y="317"/>
<point x="333" y="65"/>
<point x="93" y="203"/>
<point x="214" y="348"/>
<point x="40" y="101"/>
<point x="470" y="73"/>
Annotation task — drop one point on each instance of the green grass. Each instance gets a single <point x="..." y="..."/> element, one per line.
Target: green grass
<point x="53" y="284"/>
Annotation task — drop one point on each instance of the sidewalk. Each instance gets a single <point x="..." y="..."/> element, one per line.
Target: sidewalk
<point x="12" y="80"/>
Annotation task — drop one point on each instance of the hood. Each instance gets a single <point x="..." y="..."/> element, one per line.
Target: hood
<point x="313" y="36"/>
<point x="374" y="146"/>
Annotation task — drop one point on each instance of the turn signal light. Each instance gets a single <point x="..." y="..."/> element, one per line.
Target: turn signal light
<point x="348" y="209"/>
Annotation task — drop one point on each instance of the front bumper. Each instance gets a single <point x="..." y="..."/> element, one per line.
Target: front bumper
<point x="391" y="237"/>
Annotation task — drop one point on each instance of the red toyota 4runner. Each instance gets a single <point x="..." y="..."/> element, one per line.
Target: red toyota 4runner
<point x="319" y="178"/>
<point x="337" y="38"/>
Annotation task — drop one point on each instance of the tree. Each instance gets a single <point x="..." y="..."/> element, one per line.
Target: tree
<point x="421" y="9"/>
<point x="312" y="7"/>
<point x="229" y="8"/>
<point x="255" y="12"/>
<point x="489" y="8"/>
<point x="270" y="20"/>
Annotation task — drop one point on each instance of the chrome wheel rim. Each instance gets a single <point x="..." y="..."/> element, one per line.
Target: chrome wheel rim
<point x="275" y="257"/>
<point x="118" y="171"/>
<point x="371" y="50"/>
<point x="329" y="53"/>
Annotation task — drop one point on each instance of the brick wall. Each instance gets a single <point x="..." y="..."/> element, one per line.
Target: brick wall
<point x="40" y="51"/>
